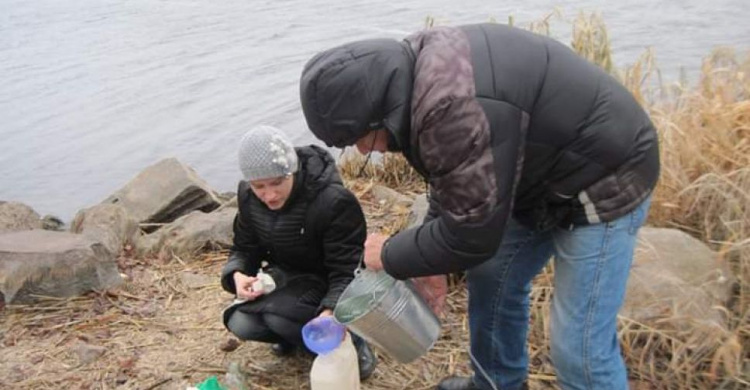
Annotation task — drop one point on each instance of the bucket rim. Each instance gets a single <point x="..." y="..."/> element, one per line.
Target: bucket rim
<point x="374" y="304"/>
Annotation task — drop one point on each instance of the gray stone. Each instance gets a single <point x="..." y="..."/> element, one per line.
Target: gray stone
<point x="57" y="264"/>
<point x="51" y="222"/>
<point x="231" y="202"/>
<point x="16" y="216"/>
<point x="388" y="196"/>
<point x="108" y="224"/>
<point x="197" y="280"/>
<point x="163" y="192"/>
<point x="225" y="197"/>
<point x="193" y="233"/>
<point x="148" y="244"/>
<point x="676" y="278"/>
<point x="418" y="211"/>
<point x="87" y="353"/>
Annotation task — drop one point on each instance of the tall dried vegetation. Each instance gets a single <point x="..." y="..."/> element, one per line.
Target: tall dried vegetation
<point x="704" y="189"/>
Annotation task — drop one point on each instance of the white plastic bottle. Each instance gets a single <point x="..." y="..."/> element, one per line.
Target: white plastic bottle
<point x="336" y="367"/>
<point x="336" y="370"/>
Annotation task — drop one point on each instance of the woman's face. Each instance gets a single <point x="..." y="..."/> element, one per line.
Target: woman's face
<point x="273" y="192"/>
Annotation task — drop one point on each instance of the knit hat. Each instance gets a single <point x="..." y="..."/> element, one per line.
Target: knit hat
<point x="265" y="152"/>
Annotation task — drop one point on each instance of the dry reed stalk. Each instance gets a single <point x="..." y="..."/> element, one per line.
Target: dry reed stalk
<point x="591" y="40"/>
<point x="391" y="170"/>
<point x="705" y="137"/>
<point x="705" y="190"/>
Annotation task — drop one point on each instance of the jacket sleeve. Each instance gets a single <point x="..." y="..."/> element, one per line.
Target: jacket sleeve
<point x="433" y="209"/>
<point x="473" y="176"/>
<point x="344" y="236"/>
<point x="244" y="256"/>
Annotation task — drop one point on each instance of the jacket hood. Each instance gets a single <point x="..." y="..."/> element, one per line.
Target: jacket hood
<point x="357" y="87"/>
<point x="317" y="169"/>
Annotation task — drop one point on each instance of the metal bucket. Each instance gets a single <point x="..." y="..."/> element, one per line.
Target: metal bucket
<point x="388" y="313"/>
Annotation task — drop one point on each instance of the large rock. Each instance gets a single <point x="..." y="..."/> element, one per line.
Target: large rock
<point x="41" y="262"/>
<point x="231" y="202"/>
<point x="193" y="233"/>
<point x="108" y="224"/>
<point x="164" y="192"/>
<point x="15" y="217"/>
<point x="51" y="222"/>
<point x="676" y="278"/>
<point x="388" y="196"/>
<point x="418" y="211"/>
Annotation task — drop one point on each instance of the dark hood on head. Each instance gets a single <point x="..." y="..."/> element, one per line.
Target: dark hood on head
<point x="351" y="89"/>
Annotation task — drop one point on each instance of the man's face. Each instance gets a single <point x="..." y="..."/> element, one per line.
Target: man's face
<point x="376" y="140"/>
<point x="273" y="192"/>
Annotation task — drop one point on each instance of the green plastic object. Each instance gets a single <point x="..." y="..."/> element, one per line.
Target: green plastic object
<point x="211" y="384"/>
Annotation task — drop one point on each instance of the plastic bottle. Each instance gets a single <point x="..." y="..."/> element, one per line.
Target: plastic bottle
<point x="336" y="366"/>
<point x="234" y="379"/>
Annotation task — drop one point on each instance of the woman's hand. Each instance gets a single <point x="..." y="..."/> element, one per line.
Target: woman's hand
<point x="244" y="286"/>
<point x="329" y="313"/>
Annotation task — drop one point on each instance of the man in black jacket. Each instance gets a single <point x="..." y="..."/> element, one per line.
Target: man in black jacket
<point x="296" y="215"/>
<point x="530" y="151"/>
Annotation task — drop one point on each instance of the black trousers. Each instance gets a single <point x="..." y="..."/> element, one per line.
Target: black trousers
<point x="265" y="327"/>
<point x="279" y="316"/>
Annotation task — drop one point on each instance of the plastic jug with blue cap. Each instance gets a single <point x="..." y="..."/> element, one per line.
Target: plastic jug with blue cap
<point x="336" y="366"/>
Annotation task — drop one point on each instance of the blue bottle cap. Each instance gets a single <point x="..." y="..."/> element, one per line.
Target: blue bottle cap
<point x="323" y="334"/>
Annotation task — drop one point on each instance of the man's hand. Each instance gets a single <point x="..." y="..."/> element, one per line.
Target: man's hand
<point x="433" y="289"/>
<point x="244" y="286"/>
<point x="373" y="248"/>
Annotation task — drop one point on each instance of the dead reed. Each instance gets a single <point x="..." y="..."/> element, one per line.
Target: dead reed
<point x="704" y="189"/>
<point x="163" y="329"/>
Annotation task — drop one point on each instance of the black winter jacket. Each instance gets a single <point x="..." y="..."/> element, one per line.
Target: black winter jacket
<point x="320" y="229"/>
<point x="502" y="122"/>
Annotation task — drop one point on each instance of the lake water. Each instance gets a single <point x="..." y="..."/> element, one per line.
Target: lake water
<point x="93" y="91"/>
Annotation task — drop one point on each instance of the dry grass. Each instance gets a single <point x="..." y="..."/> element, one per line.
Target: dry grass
<point x="591" y="40"/>
<point x="391" y="170"/>
<point x="704" y="189"/>
<point x="160" y="326"/>
<point x="163" y="330"/>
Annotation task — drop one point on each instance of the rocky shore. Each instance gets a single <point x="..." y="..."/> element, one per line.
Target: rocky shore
<point x="167" y="213"/>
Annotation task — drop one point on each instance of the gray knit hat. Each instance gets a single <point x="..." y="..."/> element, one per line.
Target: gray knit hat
<point x="265" y="152"/>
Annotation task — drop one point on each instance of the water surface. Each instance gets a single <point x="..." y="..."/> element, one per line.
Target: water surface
<point x="93" y="91"/>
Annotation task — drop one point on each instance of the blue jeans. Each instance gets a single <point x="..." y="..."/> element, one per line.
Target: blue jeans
<point x="591" y="265"/>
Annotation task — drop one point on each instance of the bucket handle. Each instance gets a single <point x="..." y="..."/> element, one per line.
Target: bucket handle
<point x="360" y="264"/>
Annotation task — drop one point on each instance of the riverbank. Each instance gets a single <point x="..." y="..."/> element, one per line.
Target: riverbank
<point x="161" y="330"/>
<point x="133" y="82"/>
